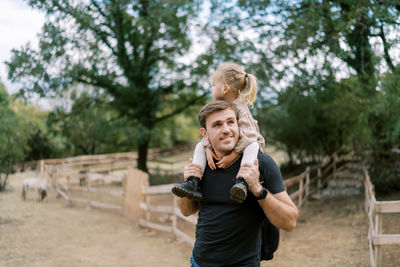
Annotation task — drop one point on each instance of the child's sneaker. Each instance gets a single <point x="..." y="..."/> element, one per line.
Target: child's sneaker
<point x="239" y="190"/>
<point x="190" y="189"/>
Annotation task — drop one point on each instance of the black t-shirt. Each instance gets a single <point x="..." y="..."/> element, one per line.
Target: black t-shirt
<point x="229" y="233"/>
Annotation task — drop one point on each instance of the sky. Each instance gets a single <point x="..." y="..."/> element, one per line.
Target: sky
<point x="19" y="24"/>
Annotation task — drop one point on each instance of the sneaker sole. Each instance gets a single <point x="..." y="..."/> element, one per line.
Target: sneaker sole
<point x="181" y="192"/>
<point x="238" y="194"/>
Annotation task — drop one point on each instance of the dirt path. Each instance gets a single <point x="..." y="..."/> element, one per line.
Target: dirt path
<point x="53" y="234"/>
<point x="328" y="233"/>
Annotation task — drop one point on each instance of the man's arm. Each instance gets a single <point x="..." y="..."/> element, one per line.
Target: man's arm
<point x="187" y="206"/>
<point x="279" y="208"/>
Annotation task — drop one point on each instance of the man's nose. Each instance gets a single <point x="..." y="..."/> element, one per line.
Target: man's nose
<point x="225" y="128"/>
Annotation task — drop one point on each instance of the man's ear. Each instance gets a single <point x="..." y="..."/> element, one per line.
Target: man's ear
<point x="227" y="88"/>
<point x="203" y="132"/>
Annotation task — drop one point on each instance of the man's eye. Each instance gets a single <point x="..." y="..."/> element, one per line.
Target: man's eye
<point x="217" y="124"/>
<point x="231" y="122"/>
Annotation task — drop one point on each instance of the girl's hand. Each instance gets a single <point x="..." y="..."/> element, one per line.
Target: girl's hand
<point x="210" y="158"/>
<point x="227" y="160"/>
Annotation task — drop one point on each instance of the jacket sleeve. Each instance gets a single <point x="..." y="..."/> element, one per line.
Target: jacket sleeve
<point x="205" y="143"/>
<point x="248" y="133"/>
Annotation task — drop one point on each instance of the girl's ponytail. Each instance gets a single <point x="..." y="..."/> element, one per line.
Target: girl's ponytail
<point x="249" y="93"/>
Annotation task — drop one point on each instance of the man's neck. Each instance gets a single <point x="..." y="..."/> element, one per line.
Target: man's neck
<point x="220" y="155"/>
<point x="232" y="160"/>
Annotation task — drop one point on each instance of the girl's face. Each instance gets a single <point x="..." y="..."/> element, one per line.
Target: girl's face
<point x="217" y="90"/>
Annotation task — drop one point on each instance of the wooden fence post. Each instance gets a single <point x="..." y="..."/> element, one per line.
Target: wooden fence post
<point x="319" y="183"/>
<point x="174" y="217"/>
<point x="307" y="183"/>
<point x="378" y="230"/>
<point x="89" y="186"/>
<point x="300" y="202"/>
<point x="136" y="182"/>
<point x="335" y="158"/>
<point x="42" y="168"/>
<point x="147" y="200"/>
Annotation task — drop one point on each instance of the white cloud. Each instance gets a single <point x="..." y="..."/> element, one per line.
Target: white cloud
<point x="19" y="24"/>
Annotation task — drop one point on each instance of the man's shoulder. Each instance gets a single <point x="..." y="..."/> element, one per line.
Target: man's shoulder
<point x="270" y="174"/>
<point x="265" y="160"/>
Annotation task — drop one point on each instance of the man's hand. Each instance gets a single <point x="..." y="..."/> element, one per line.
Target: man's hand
<point x="227" y="160"/>
<point x="251" y="174"/>
<point x="192" y="169"/>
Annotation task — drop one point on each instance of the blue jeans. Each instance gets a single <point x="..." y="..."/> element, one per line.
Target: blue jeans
<point x="192" y="262"/>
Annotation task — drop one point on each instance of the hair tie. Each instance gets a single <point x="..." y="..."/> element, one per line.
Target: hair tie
<point x="233" y="74"/>
<point x="245" y="75"/>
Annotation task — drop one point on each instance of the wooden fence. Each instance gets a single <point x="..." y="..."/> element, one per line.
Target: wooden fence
<point x="300" y="187"/>
<point x="375" y="210"/>
<point x="117" y="161"/>
<point x="67" y="185"/>
<point x="87" y="175"/>
<point x="134" y="199"/>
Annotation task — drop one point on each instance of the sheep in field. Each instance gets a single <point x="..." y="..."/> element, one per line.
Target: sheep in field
<point x="35" y="185"/>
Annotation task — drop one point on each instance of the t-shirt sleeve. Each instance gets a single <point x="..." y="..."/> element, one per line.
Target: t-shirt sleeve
<point x="270" y="174"/>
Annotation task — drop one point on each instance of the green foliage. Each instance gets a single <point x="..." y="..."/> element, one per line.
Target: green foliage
<point x="384" y="176"/>
<point x="132" y="50"/>
<point x="40" y="146"/>
<point x="23" y="134"/>
<point x="312" y="120"/>
<point x="326" y="69"/>
<point x="12" y="141"/>
<point x="384" y="118"/>
<point x="90" y="127"/>
<point x="183" y="128"/>
<point x="319" y="110"/>
<point x="158" y="179"/>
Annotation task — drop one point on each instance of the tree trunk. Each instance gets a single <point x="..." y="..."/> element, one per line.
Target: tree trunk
<point x="142" y="154"/>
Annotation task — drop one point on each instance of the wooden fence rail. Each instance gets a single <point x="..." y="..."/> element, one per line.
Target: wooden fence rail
<point x="91" y="170"/>
<point x="375" y="210"/>
<point x="116" y="162"/>
<point x="65" y="186"/>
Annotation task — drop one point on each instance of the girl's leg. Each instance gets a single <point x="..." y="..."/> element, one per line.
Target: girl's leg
<point x="199" y="156"/>
<point x="191" y="188"/>
<point x="250" y="153"/>
<point x="239" y="190"/>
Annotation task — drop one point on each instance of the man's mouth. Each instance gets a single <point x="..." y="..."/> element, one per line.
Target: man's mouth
<point x="226" y="137"/>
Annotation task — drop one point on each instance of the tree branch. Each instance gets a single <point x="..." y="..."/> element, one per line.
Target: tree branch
<point x="122" y="54"/>
<point x="103" y="81"/>
<point x="386" y="48"/>
<point x="180" y="109"/>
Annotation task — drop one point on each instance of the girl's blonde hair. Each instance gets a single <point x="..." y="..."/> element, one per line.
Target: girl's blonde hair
<point x="243" y="84"/>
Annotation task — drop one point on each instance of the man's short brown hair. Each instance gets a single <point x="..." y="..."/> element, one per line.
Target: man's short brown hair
<point x="215" y="106"/>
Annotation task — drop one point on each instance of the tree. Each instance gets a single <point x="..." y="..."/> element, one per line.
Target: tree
<point x="313" y="119"/>
<point x="384" y="118"/>
<point x="133" y="50"/>
<point x="90" y="126"/>
<point x="31" y="125"/>
<point x="342" y="34"/>
<point x="12" y="141"/>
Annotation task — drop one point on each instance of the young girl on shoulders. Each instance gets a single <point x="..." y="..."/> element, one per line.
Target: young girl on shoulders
<point x="233" y="84"/>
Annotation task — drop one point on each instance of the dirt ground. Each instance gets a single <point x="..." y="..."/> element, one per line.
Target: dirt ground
<point x="328" y="233"/>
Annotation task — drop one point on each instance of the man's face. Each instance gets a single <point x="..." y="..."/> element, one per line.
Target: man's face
<point x="222" y="131"/>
